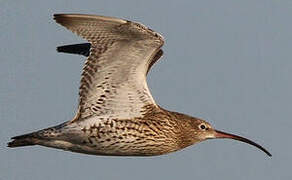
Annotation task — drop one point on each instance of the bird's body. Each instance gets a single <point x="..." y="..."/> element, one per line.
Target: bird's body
<point x="117" y="114"/>
<point x="158" y="132"/>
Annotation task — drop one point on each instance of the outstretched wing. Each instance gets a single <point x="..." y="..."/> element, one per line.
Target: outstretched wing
<point x="113" y="82"/>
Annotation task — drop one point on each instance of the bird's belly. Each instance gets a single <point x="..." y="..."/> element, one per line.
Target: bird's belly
<point x="115" y="145"/>
<point x="117" y="138"/>
<point x="130" y="146"/>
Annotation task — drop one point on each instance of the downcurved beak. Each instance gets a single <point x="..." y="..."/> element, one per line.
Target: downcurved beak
<point x="220" y="134"/>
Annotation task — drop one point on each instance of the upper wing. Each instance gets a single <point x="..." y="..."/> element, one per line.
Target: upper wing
<point x="113" y="82"/>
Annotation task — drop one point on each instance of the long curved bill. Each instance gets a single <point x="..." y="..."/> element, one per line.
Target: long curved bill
<point x="220" y="134"/>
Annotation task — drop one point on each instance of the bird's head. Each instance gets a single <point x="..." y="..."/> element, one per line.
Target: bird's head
<point x="200" y="130"/>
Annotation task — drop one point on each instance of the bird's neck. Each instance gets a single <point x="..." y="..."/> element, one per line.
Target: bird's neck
<point x="186" y="134"/>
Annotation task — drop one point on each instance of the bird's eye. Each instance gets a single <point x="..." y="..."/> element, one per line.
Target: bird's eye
<point x="203" y="127"/>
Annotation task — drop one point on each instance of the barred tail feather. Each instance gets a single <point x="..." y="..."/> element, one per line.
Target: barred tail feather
<point x="22" y="140"/>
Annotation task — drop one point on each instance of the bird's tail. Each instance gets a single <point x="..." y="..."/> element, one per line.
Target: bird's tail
<point x="35" y="138"/>
<point x="22" y="140"/>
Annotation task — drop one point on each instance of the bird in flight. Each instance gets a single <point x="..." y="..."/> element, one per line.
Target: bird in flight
<point x="117" y="114"/>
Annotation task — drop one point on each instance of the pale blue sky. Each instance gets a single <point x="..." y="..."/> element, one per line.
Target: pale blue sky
<point x="229" y="62"/>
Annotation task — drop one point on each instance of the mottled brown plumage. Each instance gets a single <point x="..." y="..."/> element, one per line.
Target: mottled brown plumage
<point x="117" y="114"/>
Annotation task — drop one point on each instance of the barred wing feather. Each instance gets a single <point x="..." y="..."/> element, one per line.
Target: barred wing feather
<point x="113" y="81"/>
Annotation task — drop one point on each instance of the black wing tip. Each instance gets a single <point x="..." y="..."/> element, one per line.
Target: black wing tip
<point x="80" y="49"/>
<point x="61" y="18"/>
<point x="66" y="15"/>
<point x="57" y="18"/>
<point x="57" y="15"/>
<point x="59" y="49"/>
<point x="62" y="49"/>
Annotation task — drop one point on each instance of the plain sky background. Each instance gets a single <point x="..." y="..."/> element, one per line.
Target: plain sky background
<point x="227" y="61"/>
